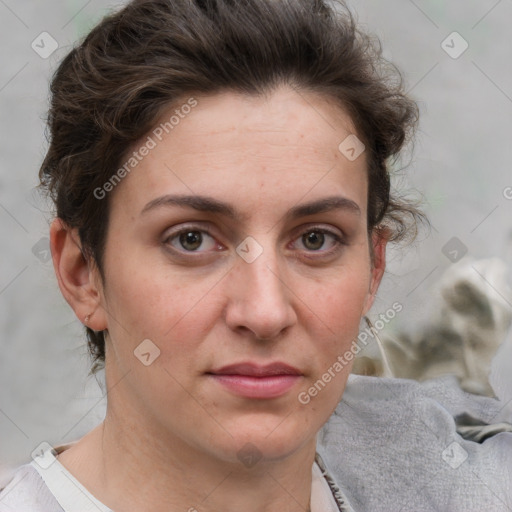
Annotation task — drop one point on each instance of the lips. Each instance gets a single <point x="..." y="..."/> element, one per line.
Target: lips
<point x="253" y="381"/>
<point x="253" y="370"/>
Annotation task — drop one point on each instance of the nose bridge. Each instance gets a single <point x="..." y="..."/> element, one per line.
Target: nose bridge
<point x="264" y="274"/>
<point x="260" y="299"/>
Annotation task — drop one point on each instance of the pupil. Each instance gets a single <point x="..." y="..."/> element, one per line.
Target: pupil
<point x="193" y="238"/>
<point x="314" y="238"/>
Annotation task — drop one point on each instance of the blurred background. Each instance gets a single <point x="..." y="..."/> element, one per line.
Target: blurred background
<point x="453" y="284"/>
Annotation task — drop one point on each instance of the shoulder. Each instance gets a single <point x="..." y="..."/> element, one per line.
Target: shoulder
<point x="395" y="443"/>
<point x="27" y="492"/>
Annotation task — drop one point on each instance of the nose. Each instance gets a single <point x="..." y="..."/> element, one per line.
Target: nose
<point x="260" y="300"/>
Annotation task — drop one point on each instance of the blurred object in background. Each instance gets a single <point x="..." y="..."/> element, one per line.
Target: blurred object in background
<point x="463" y="335"/>
<point x="364" y="365"/>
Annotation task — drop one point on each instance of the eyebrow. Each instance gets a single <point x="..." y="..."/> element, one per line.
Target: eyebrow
<point x="211" y="205"/>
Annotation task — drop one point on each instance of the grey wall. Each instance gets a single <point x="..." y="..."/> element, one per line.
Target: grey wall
<point x="461" y="163"/>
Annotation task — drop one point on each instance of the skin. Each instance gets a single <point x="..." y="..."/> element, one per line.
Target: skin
<point x="171" y="434"/>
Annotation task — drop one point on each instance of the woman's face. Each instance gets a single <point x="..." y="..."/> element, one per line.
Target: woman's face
<point x="220" y="252"/>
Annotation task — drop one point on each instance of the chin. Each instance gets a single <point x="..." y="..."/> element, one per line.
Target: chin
<point x="272" y="439"/>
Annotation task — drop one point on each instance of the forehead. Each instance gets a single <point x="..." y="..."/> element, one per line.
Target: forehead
<point x="240" y="147"/>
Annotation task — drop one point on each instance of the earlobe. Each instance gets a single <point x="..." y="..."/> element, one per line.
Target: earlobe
<point x="379" y="243"/>
<point x="76" y="277"/>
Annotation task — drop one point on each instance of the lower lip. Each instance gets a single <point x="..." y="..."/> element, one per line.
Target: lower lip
<point x="258" y="387"/>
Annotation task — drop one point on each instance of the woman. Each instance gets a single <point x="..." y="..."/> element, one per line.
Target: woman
<point x="220" y="172"/>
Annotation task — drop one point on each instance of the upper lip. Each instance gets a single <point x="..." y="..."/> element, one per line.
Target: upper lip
<point x="255" y="370"/>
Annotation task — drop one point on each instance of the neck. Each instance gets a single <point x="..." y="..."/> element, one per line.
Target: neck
<point x="131" y="465"/>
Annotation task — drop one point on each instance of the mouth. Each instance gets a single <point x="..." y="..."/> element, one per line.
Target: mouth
<point x="255" y="381"/>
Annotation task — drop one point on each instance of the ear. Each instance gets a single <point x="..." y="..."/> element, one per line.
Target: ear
<point x="378" y="265"/>
<point x="79" y="281"/>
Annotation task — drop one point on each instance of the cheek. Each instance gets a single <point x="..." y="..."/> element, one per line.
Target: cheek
<point x="339" y="301"/>
<point x="334" y="315"/>
<point x="153" y="302"/>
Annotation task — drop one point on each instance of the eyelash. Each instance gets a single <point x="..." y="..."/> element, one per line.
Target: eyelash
<point x="340" y="242"/>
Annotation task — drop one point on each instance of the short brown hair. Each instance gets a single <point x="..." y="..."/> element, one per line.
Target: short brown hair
<point x="111" y="88"/>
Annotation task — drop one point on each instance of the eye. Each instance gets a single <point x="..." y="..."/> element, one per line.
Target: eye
<point x="315" y="238"/>
<point x="191" y="239"/>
